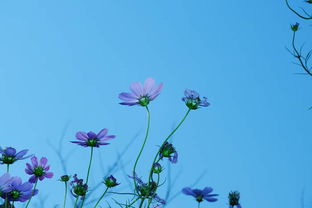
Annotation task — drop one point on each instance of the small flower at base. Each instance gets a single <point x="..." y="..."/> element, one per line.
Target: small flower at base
<point x="234" y="197"/>
<point x="295" y="27"/>
<point x="64" y="178"/>
<point x="157" y="168"/>
<point x="110" y="182"/>
<point x="78" y="187"/>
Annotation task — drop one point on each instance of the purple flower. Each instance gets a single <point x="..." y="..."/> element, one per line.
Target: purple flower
<point x="78" y="187"/>
<point x="193" y="100"/>
<point x="21" y="191"/>
<point x="141" y="95"/>
<point x="92" y="139"/>
<point x="5" y="183"/>
<point x="9" y="155"/>
<point x="201" y="194"/>
<point x="38" y="170"/>
<point x="168" y="150"/>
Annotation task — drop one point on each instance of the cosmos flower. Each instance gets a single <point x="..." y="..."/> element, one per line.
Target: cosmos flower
<point x="9" y="155"/>
<point x="200" y="195"/>
<point x="21" y="191"/>
<point x="168" y="150"/>
<point x="38" y="170"/>
<point x="193" y="100"/>
<point x="92" y="139"/>
<point x="141" y="95"/>
<point x="147" y="190"/>
<point x="78" y="187"/>
<point x="234" y="197"/>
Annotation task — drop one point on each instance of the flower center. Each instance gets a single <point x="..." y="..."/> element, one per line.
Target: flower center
<point x="144" y="101"/>
<point x="92" y="142"/>
<point x="193" y="103"/>
<point x="199" y="198"/>
<point x="15" y="194"/>
<point x="39" y="171"/>
<point x="7" y="159"/>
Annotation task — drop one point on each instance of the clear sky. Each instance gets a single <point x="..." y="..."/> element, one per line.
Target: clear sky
<point x="63" y="63"/>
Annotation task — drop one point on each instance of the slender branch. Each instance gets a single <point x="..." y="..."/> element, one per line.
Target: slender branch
<point x="308" y="17"/>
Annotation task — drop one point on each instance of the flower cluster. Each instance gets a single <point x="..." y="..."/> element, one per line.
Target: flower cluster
<point x="12" y="189"/>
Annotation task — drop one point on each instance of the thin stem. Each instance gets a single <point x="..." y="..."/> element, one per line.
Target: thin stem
<point x="142" y="201"/>
<point x="101" y="197"/>
<point x="143" y="145"/>
<point x="76" y="202"/>
<point x="298" y="56"/>
<point x="168" y="137"/>
<point x="6" y="204"/>
<point x="88" y="174"/>
<point x="32" y="194"/>
<point x="133" y="202"/>
<point x="65" y="195"/>
<point x="198" y="204"/>
<point x="110" y="192"/>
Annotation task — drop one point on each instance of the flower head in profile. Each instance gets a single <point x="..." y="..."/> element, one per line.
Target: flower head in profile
<point x="141" y="94"/>
<point x="92" y="139"/>
<point x="64" y="178"/>
<point x="201" y="195"/>
<point x="234" y="197"/>
<point x="110" y="181"/>
<point x="38" y="170"/>
<point x="193" y="100"/>
<point x="20" y="191"/>
<point x="168" y="150"/>
<point x="9" y="155"/>
<point x="78" y="187"/>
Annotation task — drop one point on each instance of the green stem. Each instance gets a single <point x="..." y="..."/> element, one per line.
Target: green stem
<point x="198" y="204"/>
<point x="65" y="194"/>
<point x="32" y="194"/>
<point x="101" y="198"/>
<point x="168" y="137"/>
<point x="133" y="202"/>
<point x="143" y="145"/>
<point x="110" y="192"/>
<point x="88" y="174"/>
<point x="76" y="202"/>
<point x="142" y="201"/>
<point x="6" y="204"/>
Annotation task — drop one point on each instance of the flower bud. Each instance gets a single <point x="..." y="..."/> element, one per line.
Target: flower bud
<point x="110" y="182"/>
<point x="295" y="27"/>
<point x="157" y="168"/>
<point x="64" y="178"/>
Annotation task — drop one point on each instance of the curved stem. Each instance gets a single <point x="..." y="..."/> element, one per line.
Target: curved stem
<point x="167" y="138"/>
<point x="32" y="194"/>
<point x="65" y="196"/>
<point x="101" y="198"/>
<point x="88" y="174"/>
<point x="295" y="12"/>
<point x="143" y="145"/>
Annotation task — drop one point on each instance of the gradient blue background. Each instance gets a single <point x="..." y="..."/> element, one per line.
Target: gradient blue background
<point x="64" y="63"/>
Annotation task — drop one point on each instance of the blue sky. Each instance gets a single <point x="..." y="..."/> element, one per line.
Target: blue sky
<point x="64" y="63"/>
